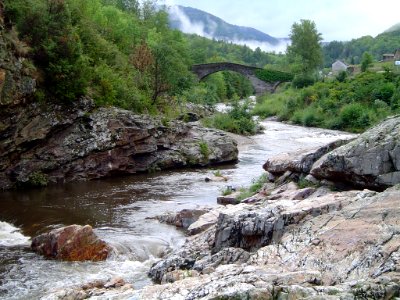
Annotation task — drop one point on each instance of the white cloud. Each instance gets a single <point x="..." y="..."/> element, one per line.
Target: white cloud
<point x="267" y="47"/>
<point x="335" y="19"/>
<point x="186" y="25"/>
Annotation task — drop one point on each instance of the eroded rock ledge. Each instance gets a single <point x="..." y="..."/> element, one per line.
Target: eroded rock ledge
<point x="41" y="145"/>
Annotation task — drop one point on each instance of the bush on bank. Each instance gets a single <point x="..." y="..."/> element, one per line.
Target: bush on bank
<point x="352" y="105"/>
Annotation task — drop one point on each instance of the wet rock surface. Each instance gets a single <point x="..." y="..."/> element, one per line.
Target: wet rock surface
<point x="184" y="218"/>
<point x="57" y="145"/>
<point x="71" y="243"/>
<point x="115" y="288"/>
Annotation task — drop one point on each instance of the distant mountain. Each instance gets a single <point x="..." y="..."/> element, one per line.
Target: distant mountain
<point x="192" y="20"/>
<point x="393" y="28"/>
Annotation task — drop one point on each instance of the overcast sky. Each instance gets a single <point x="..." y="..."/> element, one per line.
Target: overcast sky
<point x="335" y="19"/>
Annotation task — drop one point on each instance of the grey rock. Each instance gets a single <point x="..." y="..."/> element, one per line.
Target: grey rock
<point x="184" y="218"/>
<point x="299" y="161"/>
<point x="370" y="161"/>
<point x="78" y="143"/>
<point x="331" y="245"/>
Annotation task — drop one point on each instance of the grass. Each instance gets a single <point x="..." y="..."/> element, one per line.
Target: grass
<point x="204" y="150"/>
<point x="227" y="191"/>
<point x="217" y="173"/>
<point x="256" y="185"/>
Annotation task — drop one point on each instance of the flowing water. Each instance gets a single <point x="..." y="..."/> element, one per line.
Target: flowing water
<point x="121" y="210"/>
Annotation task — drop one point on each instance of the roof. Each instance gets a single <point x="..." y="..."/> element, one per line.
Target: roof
<point x="339" y="63"/>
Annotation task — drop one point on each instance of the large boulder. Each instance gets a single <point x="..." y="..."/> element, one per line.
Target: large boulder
<point x="372" y="160"/>
<point x="42" y="145"/>
<point x="71" y="243"/>
<point x="300" y="161"/>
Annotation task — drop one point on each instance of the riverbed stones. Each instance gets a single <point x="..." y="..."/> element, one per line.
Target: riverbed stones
<point x="370" y="161"/>
<point x="71" y="243"/>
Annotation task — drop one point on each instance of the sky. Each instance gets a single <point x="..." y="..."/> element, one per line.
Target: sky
<point x="340" y="20"/>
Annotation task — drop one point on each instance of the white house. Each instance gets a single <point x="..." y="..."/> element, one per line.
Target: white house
<point x="339" y="66"/>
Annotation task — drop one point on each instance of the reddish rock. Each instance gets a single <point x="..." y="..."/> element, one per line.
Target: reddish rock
<point x="71" y="243"/>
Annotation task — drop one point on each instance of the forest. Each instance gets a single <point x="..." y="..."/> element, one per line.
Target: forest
<point x="123" y="53"/>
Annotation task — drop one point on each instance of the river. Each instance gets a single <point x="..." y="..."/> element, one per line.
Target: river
<point x="120" y="210"/>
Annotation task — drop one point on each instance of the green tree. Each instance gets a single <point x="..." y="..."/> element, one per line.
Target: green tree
<point x="366" y="61"/>
<point x="305" y="50"/>
<point x="170" y="68"/>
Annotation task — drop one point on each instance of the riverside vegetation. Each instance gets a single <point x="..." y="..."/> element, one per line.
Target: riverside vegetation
<point x="351" y="104"/>
<point x="123" y="54"/>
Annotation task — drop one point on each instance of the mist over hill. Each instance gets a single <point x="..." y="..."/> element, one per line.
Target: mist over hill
<point x="191" y="20"/>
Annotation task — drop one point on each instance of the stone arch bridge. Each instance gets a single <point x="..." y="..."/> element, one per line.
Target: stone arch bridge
<point x="260" y="86"/>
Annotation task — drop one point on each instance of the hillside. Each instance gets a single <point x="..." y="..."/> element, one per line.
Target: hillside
<point x="395" y="27"/>
<point x="191" y="20"/>
<point x="352" y="51"/>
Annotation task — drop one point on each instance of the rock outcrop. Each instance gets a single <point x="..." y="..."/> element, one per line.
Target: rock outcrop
<point x="71" y="243"/>
<point x="301" y="161"/>
<point x="370" y="161"/>
<point x="295" y="243"/>
<point x="55" y="144"/>
<point x="335" y="245"/>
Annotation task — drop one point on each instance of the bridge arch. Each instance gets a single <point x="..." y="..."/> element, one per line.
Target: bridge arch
<point x="260" y="86"/>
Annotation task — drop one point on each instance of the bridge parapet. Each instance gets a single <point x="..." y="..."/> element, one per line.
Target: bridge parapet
<point x="260" y="82"/>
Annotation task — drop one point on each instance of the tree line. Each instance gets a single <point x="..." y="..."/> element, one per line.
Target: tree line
<point x="122" y="53"/>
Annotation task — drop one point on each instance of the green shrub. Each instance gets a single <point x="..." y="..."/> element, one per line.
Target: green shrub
<point x="204" y="150"/>
<point x="301" y="81"/>
<point x="310" y="117"/>
<point x="354" y="116"/>
<point x="273" y="75"/>
<point x="384" y="92"/>
<point x="37" y="179"/>
<point x="341" y="76"/>
<point x="238" y="120"/>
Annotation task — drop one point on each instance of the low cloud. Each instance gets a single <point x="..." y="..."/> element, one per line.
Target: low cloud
<point x="187" y="26"/>
<point x="264" y="46"/>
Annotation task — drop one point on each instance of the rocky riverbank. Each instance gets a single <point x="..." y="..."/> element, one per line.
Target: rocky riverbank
<point x="44" y="142"/>
<point x="42" y="145"/>
<point x="300" y="242"/>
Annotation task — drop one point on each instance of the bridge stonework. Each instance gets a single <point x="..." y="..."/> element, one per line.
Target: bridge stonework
<point x="260" y="86"/>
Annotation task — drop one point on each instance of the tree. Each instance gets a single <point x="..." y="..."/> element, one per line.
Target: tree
<point x="366" y="61"/>
<point x="305" y="50"/>
<point x="170" y="66"/>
